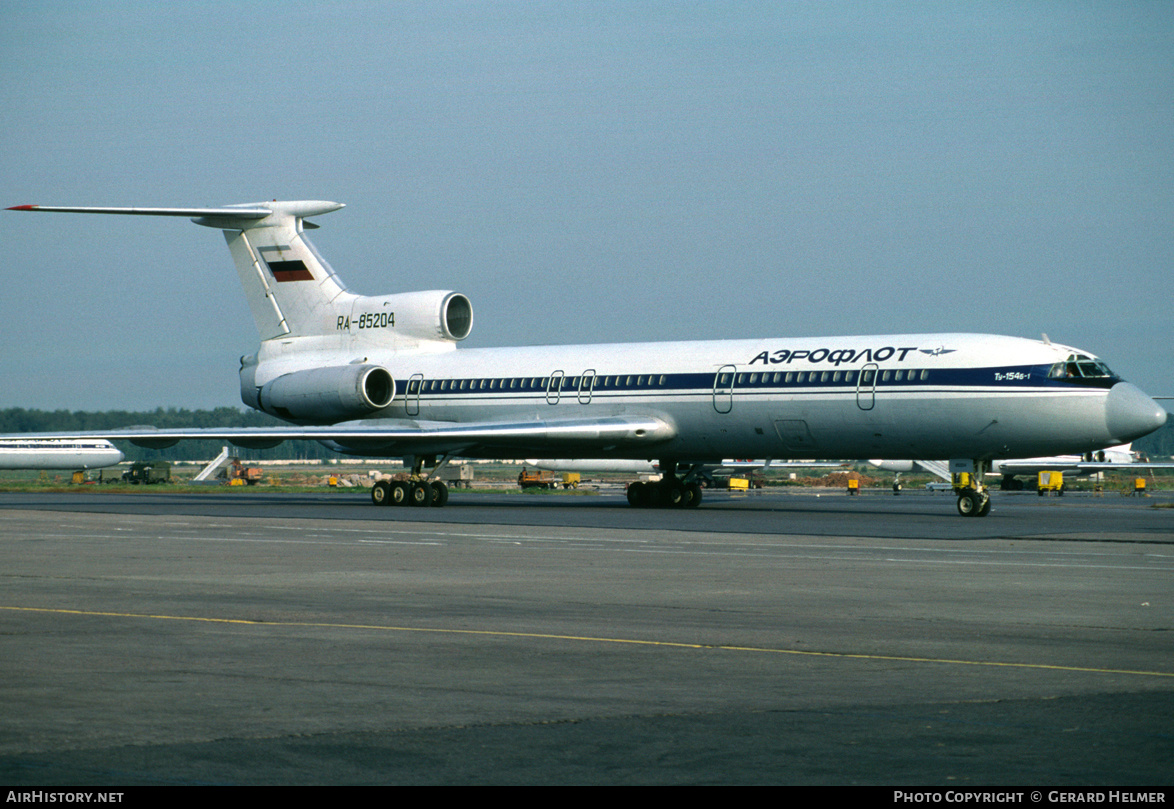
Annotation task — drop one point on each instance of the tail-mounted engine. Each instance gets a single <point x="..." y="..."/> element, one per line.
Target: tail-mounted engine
<point x="322" y="394"/>
<point x="433" y="316"/>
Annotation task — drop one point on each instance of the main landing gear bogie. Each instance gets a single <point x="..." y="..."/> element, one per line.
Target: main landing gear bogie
<point x="410" y="493"/>
<point x="667" y="493"/>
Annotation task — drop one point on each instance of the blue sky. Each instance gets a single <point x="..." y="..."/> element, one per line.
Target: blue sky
<point x="588" y="172"/>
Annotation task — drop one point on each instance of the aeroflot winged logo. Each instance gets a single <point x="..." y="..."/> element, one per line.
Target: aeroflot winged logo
<point x="937" y="352"/>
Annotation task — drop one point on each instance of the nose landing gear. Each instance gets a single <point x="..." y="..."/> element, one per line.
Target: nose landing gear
<point x="974" y="500"/>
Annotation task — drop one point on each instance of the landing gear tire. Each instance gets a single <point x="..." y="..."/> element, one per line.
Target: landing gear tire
<point x="637" y="496"/>
<point x="974" y="504"/>
<point x="399" y="493"/>
<point x="381" y="493"/>
<point x="969" y="502"/>
<point x="673" y="494"/>
<point x="439" y="494"/>
<point x="654" y="495"/>
<point x="421" y="494"/>
<point x="694" y="495"/>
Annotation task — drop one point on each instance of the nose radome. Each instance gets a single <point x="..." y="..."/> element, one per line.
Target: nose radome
<point x="1130" y="414"/>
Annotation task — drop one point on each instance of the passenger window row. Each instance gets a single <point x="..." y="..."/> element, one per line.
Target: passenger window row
<point x="591" y="382"/>
<point x="538" y="384"/>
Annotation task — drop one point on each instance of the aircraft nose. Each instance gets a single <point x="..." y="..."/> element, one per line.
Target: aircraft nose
<point x="1130" y="414"/>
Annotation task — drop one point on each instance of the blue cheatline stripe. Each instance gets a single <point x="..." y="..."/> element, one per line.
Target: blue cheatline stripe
<point x="1013" y="376"/>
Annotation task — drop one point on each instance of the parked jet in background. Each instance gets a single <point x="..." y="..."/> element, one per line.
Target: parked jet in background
<point x="379" y="376"/>
<point x="1111" y="459"/>
<point x="32" y="452"/>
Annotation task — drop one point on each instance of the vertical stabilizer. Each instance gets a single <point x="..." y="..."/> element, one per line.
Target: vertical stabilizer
<point x="290" y="288"/>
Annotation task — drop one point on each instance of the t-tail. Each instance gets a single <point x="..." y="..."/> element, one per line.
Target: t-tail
<point x="294" y="293"/>
<point x="317" y="337"/>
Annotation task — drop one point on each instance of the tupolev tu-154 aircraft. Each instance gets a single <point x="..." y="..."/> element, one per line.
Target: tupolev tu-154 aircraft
<point x="382" y="375"/>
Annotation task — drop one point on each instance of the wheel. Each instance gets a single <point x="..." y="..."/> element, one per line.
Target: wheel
<point x="638" y="495"/>
<point x="399" y="493"/>
<point x="985" y="508"/>
<point x="381" y="493"/>
<point x="420" y="494"/>
<point x="673" y="494"/>
<point x="969" y="503"/>
<point x="439" y="494"/>
<point x="654" y="496"/>
<point x="694" y="495"/>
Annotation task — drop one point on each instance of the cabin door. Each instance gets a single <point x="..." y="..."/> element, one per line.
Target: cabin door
<point x="866" y="387"/>
<point x="554" y="387"/>
<point x="723" y="388"/>
<point x="412" y="394"/>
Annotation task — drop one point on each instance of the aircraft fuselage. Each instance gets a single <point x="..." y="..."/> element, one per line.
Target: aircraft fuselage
<point x="915" y="396"/>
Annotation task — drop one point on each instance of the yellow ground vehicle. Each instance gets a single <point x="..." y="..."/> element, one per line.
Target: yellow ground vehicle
<point x="1051" y="482"/>
<point x="538" y="479"/>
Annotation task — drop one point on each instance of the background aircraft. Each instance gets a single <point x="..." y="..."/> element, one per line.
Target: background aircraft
<point x="1112" y="459"/>
<point x="57" y="453"/>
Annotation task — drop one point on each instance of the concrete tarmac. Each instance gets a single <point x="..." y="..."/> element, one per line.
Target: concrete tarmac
<point x="256" y="638"/>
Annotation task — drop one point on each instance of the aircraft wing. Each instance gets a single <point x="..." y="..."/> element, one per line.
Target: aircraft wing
<point x="412" y="437"/>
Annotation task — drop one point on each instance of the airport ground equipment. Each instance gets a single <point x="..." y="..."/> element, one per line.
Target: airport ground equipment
<point x="538" y="479"/>
<point x="148" y="473"/>
<point x="237" y="471"/>
<point x="459" y="476"/>
<point x="212" y="467"/>
<point x="1051" y="482"/>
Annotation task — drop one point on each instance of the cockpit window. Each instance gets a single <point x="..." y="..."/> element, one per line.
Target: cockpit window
<point x="1080" y="366"/>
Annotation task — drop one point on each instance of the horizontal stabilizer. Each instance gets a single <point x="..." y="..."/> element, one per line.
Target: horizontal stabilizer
<point x="229" y="217"/>
<point x="241" y="212"/>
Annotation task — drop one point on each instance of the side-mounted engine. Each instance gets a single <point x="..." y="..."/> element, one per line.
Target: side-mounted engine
<point x="321" y="395"/>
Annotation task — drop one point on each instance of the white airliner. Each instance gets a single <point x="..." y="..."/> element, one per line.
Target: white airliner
<point x="32" y="452"/>
<point x="379" y="376"/>
<point x="1111" y="459"/>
